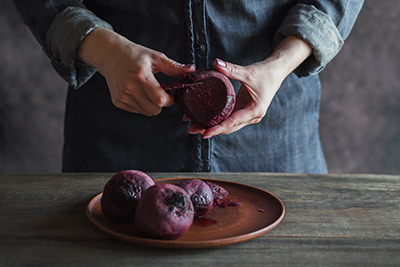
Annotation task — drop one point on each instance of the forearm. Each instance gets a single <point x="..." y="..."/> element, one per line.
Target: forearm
<point x="60" y="27"/>
<point x="322" y="24"/>
<point x="289" y="54"/>
<point x="90" y="52"/>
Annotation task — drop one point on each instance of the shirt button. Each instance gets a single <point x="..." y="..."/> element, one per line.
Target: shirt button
<point x="199" y="48"/>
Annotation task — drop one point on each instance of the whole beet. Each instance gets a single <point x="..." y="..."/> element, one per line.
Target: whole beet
<point x="165" y="211"/>
<point x="218" y="191"/>
<point x="210" y="101"/>
<point x="200" y="194"/>
<point x="122" y="193"/>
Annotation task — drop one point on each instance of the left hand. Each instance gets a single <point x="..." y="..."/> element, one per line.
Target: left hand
<point x="260" y="82"/>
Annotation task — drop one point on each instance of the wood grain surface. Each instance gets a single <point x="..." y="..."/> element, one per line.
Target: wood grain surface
<point x="330" y="220"/>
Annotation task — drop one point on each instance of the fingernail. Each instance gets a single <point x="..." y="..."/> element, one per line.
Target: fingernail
<point x="189" y="66"/>
<point x="221" y="63"/>
<point x="207" y="137"/>
<point x="192" y="132"/>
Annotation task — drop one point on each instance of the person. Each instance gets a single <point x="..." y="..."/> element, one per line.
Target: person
<point x="115" y="54"/>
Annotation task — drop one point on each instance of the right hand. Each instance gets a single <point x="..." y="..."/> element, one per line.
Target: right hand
<point x="129" y="70"/>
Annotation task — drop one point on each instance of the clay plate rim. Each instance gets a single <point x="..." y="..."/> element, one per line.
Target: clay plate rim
<point x="189" y="240"/>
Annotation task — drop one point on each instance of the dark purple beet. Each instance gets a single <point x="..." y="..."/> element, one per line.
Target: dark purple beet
<point x="208" y="103"/>
<point x="200" y="195"/>
<point x="218" y="191"/>
<point x="122" y="193"/>
<point x="165" y="211"/>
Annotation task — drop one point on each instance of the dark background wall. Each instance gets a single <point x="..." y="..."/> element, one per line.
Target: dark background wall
<point x="360" y="111"/>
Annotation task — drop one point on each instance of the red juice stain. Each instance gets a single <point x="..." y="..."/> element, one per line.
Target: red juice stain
<point x="253" y="201"/>
<point x="204" y="222"/>
<point x="226" y="202"/>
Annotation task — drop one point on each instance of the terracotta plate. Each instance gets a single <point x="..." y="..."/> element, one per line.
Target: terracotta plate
<point x="258" y="213"/>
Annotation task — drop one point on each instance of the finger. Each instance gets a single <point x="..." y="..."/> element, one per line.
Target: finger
<point x="162" y="63"/>
<point x="233" y="123"/>
<point x="130" y="106"/>
<point x="228" y="126"/>
<point x="157" y="95"/>
<point x="150" y="94"/>
<point x="193" y="129"/>
<point x="137" y="101"/>
<point x="233" y="71"/>
<point x="185" y="118"/>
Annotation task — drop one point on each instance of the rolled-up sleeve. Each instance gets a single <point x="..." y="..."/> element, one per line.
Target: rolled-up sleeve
<point x="60" y="26"/>
<point x="65" y="35"/>
<point x="322" y="24"/>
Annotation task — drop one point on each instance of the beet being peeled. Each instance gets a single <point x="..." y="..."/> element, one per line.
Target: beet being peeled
<point x="165" y="211"/>
<point x="210" y="99"/>
<point x="122" y="193"/>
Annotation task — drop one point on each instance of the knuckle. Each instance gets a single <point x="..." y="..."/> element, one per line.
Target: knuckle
<point x="234" y="69"/>
<point x="232" y="122"/>
<point x="154" y="112"/>
<point x="140" y="75"/>
<point x="255" y="120"/>
<point x="159" y="56"/>
<point x="160" y="101"/>
<point x="258" y="116"/>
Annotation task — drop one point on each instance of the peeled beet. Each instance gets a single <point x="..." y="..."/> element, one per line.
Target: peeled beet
<point x="208" y="103"/>
<point x="122" y="193"/>
<point x="200" y="195"/>
<point x="165" y="211"/>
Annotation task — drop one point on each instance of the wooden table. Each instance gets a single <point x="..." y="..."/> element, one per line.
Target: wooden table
<point x="330" y="220"/>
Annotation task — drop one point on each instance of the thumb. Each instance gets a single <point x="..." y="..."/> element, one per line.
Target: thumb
<point x="232" y="71"/>
<point x="170" y="67"/>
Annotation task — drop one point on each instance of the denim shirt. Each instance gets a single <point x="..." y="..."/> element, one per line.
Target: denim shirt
<point x="101" y="137"/>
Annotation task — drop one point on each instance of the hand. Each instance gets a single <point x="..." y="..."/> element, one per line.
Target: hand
<point x="259" y="84"/>
<point x="129" y="70"/>
<point x="260" y="81"/>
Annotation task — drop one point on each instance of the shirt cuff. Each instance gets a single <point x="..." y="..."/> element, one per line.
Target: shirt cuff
<point x="318" y="30"/>
<point x="65" y="35"/>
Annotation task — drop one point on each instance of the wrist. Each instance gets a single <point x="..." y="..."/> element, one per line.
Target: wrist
<point x="289" y="54"/>
<point x="93" y="48"/>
